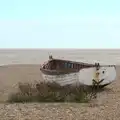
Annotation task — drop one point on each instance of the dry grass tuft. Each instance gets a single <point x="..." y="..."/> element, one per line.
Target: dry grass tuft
<point x="51" y="92"/>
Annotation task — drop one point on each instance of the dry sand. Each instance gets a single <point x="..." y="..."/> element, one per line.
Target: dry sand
<point x="107" y="105"/>
<point x="10" y="75"/>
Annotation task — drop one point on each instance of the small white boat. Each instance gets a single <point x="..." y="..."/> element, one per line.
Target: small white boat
<point x="65" y="72"/>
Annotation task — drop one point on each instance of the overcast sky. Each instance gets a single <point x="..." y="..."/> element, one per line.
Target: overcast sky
<point x="59" y="23"/>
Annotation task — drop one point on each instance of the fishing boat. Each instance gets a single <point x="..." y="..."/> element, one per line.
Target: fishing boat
<point x="66" y="72"/>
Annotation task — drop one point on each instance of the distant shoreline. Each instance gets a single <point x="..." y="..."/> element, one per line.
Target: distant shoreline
<point x="37" y="56"/>
<point x="113" y="49"/>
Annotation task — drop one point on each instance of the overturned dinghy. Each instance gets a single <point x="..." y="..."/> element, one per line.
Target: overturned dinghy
<point x="65" y="72"/>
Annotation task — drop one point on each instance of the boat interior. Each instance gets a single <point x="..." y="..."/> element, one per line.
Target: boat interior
<point x="57" y="64"/>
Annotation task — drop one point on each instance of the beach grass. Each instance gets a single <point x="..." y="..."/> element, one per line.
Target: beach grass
<point x="51" y="92"/>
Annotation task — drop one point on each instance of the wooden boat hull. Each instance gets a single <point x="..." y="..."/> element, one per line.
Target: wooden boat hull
<point x="83" y="77"/>
<point x="106" y="74"/>
<point x="66" y="72"/>
<point x="58" y="72"/>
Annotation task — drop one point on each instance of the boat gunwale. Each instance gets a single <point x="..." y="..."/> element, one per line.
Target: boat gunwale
<point x="57" y="72"/>
<point x="70" y="61"/>
<point x="75" y="62"/>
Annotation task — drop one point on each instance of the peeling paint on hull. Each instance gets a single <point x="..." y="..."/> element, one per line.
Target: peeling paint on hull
<point x="83" y="77"/>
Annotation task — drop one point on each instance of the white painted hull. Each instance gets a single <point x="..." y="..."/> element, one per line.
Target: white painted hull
<point x="84" y="76"/>
<point x="63" y="80"/>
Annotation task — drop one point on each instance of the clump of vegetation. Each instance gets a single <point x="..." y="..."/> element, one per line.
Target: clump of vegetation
<point x="51" y="92"/>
